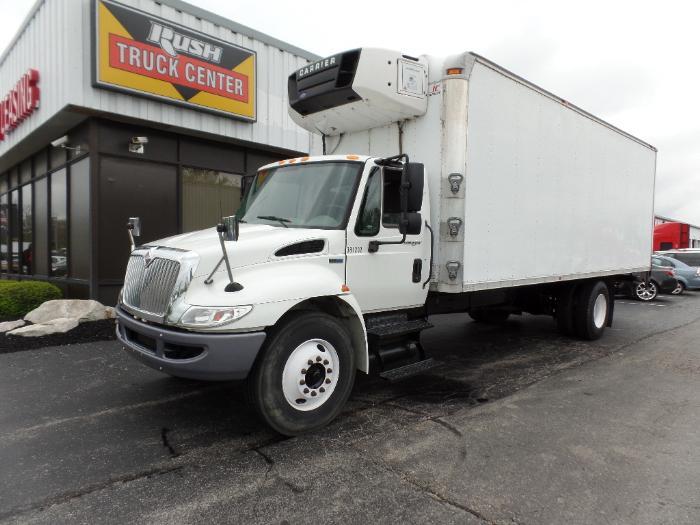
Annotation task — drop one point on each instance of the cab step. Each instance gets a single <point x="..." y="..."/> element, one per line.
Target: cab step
<point x="419" y="367"/>
<point x="398" y="328"/>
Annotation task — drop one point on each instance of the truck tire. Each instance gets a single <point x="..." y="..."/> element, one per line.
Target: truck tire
<point x="304" y="375"/>
<point x="591" y="310"/>
<point x="489" y="316"/>
<point x="565" y="310"/>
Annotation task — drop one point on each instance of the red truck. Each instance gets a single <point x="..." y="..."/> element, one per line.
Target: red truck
<point x="671" y="236"/>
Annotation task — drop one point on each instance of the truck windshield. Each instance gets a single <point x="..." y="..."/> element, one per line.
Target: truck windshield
<point x="314" y="195"/>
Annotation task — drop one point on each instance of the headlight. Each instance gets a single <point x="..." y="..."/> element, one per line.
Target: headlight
<point x="202" y="316"/>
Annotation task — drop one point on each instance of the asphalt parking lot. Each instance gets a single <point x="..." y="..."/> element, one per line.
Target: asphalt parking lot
<point x="517" y="425"/>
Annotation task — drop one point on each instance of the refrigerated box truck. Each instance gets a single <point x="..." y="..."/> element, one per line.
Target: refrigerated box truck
<point x="446" y="185"/>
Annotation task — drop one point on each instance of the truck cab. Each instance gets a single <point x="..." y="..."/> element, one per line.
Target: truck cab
<point x="342" y="234"/>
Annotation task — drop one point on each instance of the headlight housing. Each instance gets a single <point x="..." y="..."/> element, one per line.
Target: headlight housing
<point x="212" y="316"/>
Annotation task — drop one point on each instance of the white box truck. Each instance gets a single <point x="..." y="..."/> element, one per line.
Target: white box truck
<point x="446" y="185"/>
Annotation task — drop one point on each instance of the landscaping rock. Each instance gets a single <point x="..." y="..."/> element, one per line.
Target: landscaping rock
<point x="55" y="326"/>
<point x="77" y="309"/>
<point x="11" y="325"/>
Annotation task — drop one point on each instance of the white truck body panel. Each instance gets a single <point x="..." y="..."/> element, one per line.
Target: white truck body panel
<point x="550" y="192"/>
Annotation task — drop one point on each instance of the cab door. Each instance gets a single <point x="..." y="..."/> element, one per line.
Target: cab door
<point x="392" y="277"/>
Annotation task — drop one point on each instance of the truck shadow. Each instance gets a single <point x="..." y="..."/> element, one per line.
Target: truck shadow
<point x="477" y="364"/>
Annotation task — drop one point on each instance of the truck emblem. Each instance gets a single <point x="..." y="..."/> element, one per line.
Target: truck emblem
<point x="149" y="257"/>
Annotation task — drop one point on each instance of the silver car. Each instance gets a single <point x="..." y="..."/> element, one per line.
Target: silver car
<point x="688" y="276"/>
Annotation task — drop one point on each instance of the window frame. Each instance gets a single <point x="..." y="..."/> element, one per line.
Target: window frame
<point x="372" y="173"/>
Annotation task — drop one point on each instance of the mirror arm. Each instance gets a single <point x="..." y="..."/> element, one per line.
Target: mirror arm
<point x="132" y="242"/>
<point x="210" y="279"/>
<point x="374" y="245"/>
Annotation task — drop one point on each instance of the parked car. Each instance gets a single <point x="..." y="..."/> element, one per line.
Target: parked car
<point x="662" y="279"/>
<point x="688" y="277"/>
<point x="690" y="256"/>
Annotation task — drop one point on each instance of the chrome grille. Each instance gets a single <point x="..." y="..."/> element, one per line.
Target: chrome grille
<point x="149" y="287"/>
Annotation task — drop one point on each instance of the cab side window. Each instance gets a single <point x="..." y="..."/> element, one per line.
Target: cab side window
<point x="371" y="210"/>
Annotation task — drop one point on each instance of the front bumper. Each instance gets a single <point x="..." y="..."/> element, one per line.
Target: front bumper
<point x="193" y="355"/>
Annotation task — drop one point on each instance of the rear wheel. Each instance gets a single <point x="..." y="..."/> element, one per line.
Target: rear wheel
<point x="304" y="375"/>
<point x="489" y="316"/>
<point x="591" y="310"/>
<point x="645" y="291"/>
<point x="679" y="289"/>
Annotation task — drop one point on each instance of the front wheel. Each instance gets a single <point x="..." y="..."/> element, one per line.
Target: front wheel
<point x="304" y="375"/>
<point x="646" y="291"/>
<point x="679" y="289"/>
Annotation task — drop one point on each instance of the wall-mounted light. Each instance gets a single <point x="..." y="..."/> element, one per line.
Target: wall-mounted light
<point x="136" y="144"/>
<point x="62" y="142"/>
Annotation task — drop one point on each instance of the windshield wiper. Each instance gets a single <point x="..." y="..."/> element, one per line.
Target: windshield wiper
<point x="281" y="220"/>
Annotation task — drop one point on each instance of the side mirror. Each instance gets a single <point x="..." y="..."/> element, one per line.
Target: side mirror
<point x="410" y="223"/>
<point x="231" y="228"/>
<point x="134" y="226"/>
<point x="414" y="178"/>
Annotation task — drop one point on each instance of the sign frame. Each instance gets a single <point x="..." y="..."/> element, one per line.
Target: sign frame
<point x="95" y="60"/>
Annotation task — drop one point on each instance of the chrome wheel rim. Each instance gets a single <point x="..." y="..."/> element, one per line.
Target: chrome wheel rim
<point x="600" y="311"/>
<point x="310" y="374"/>
<point x="646" y="291"/>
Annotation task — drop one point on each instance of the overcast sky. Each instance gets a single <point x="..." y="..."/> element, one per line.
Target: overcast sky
<point x="632" y="63"/>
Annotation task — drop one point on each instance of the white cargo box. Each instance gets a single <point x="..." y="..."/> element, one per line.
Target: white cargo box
<point x="540" y="190"/>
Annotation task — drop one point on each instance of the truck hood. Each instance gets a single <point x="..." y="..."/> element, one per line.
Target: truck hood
<point x="257" y="244"/>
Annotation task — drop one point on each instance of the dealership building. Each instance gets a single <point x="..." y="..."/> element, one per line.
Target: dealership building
<point x="136" y="108"/>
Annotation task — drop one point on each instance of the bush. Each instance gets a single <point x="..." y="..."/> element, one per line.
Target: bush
<point x="17" y="298"/>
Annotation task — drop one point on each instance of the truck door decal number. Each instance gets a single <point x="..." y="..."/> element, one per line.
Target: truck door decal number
<point x="355" y="249"/>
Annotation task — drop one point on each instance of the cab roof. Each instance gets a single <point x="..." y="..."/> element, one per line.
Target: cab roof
<point x="318" y="158"/>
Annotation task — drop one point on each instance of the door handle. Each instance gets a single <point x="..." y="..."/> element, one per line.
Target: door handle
<point x="417" y="270"/>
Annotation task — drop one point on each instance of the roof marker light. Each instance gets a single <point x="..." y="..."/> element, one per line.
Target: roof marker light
<point x="455" y="71"/>
<point x="345" y="288"/>
<point x="352" y="157"/>
<point x="281" y="162"/>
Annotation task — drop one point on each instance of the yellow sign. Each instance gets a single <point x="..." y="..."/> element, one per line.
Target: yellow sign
<point x="149" y="56"/>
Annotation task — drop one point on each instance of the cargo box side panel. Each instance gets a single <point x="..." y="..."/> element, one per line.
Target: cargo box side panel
<point x="551" y="194"/>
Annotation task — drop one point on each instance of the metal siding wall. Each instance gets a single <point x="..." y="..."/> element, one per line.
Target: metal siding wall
<point x="58" y="42"/>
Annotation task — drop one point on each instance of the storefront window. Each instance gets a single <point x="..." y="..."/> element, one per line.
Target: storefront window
<point x="4" y="233"/>
<point x="41" y="236"/>
<point x="207" y="195"/>
<point x="59" y="225"/>
<point x="15" y="223"/>
<point x="80" y="219"/>
<point x="27" y="255"/>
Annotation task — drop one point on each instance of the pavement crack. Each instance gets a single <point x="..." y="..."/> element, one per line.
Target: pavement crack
<point x="268" y="460"/>
<point x="67" y="496"/>
<point x="166" y="443"/>
<point x="457" y="432"/>
<point x="435" y="494"/>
